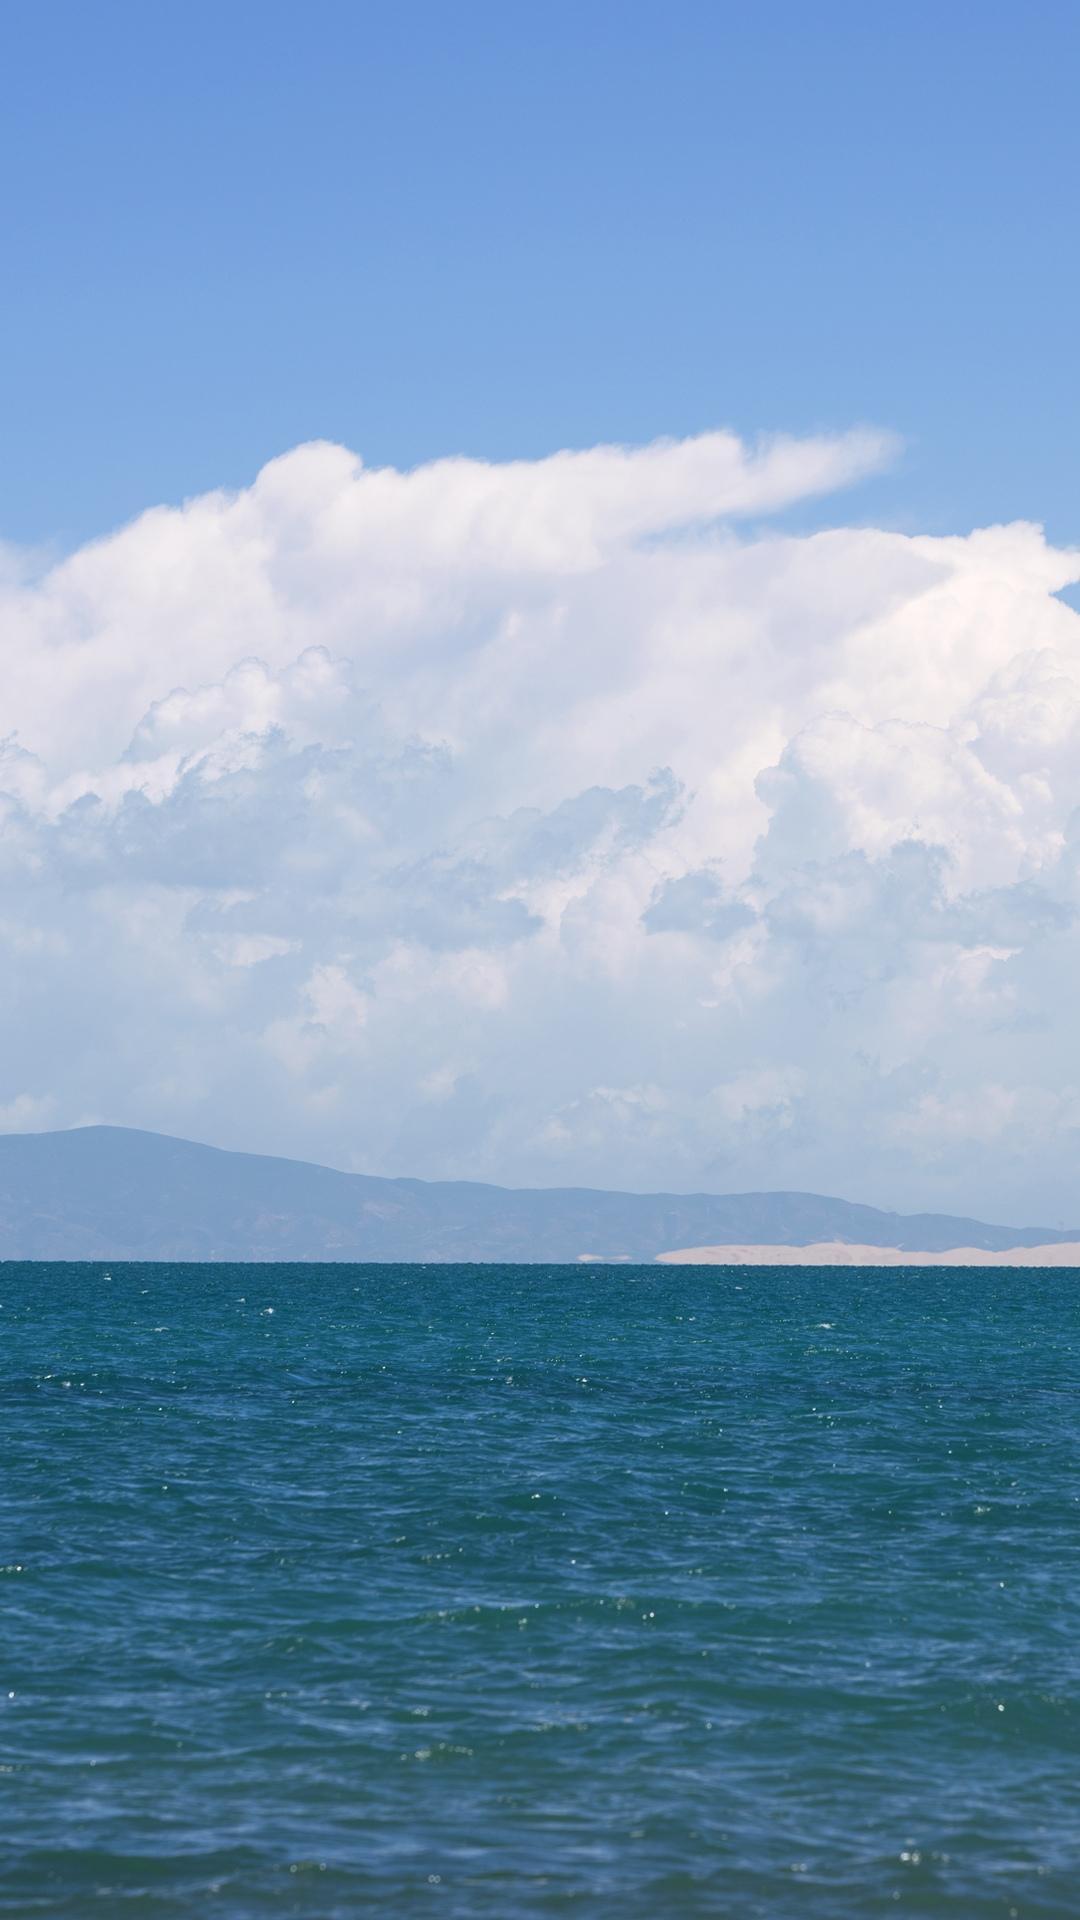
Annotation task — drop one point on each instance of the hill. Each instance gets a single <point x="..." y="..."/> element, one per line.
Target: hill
<point x="116" y="1193"/>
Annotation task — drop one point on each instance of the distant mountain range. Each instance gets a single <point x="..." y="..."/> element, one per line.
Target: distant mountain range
<point x="115" y="1193"/>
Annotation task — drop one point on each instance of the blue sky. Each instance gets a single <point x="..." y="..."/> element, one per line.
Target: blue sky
<point x="503" y="229"/>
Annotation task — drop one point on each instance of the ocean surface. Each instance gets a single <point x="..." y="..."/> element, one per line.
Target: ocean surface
<point x="480" y="1591"/>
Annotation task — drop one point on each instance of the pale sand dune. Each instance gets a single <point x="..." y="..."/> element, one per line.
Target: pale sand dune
<point x="837" y="1253"/>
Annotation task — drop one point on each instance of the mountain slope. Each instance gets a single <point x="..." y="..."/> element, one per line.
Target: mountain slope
<point x="116" y="1193"/>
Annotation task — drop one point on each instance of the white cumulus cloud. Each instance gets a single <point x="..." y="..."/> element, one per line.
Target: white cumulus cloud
<point x="554" y="821"/>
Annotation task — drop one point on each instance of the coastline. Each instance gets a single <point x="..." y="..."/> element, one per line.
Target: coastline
<point x="835" y="1253"/>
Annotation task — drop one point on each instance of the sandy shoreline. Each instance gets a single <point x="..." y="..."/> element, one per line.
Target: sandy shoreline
<point x="836" y="1253"/>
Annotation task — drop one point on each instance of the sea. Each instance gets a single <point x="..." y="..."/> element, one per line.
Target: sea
<point x="508" y="1591"/>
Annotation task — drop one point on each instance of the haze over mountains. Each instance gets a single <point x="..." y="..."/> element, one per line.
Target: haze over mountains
<point x="117" y="1193"/>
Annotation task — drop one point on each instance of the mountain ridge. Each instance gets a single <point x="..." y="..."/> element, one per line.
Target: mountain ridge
<point x="101" y="1192"/>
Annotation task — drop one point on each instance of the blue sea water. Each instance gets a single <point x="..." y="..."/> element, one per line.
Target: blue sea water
<point x="480" y="1591"/>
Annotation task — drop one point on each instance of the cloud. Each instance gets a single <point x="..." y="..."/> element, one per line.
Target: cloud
<point x="547" y="822"/>
<point x="696" y="903"/>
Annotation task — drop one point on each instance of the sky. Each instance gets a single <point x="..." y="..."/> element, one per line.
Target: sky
<point x="419" y="229"/>
<point x="538" y="584"/>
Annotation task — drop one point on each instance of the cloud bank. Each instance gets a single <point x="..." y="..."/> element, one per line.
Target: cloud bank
<point x="554" y="822"/>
